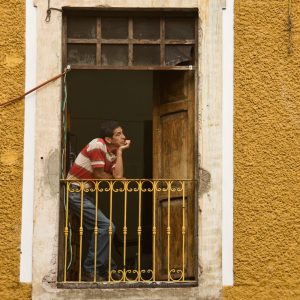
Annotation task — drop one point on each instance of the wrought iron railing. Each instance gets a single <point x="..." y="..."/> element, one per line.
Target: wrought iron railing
<point x="159" y="190"/>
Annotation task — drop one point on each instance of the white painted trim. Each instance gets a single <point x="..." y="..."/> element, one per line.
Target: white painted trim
<point x="227" y="190"/>
<point x="29" y="141"/>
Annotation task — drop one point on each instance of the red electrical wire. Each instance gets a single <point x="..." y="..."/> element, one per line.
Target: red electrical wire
<point x="67" y="69"/>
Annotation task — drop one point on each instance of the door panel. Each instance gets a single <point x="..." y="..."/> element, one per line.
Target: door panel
<point x="173" y="87"/>
<point x="173" y="158"/>
<point x="174" y="145"/>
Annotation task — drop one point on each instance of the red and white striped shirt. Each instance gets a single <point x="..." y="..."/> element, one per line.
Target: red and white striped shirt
<point x="94" y="155"/>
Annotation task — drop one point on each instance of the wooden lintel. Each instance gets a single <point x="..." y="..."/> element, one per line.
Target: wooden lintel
<point x="145" y="68"/>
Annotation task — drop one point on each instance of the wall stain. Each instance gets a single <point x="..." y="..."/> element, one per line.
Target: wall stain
<point x="50" y="279"/>
<point x="51" y="173"/>
<point x="205" y="181"/>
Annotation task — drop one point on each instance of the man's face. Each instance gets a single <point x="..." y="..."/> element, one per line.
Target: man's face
<point x="118" y="138"/>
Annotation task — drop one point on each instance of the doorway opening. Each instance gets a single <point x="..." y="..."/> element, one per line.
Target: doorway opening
<point x="156" y="111"/>
<point x="125" y="96"/>
<point x="138" y="67"/>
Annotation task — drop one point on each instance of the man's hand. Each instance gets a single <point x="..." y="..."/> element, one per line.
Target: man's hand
<point x="118" y="170"/>
<point x="126" y="145"/>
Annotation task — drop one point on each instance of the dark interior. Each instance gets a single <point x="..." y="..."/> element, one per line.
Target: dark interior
<point x="126" y="96"/>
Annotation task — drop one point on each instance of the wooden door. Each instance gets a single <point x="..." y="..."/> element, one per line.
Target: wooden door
<point x="174" y="158"/>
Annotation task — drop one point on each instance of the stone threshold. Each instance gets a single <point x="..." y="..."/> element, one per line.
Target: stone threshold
<point x="122" y="285"/>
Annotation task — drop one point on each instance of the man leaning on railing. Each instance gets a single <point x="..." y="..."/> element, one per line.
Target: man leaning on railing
<point x="100" y="159"/>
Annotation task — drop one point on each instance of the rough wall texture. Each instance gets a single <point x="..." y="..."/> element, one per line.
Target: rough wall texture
<point x="12" y="54"/>
<point x="266" y="152"/>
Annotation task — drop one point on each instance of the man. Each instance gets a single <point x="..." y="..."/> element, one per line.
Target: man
<point x="100" y="159"/>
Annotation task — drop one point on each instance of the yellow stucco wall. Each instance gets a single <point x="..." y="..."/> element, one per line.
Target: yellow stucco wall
<point x="12" y="56"/>
<point x="266" y="158"/>
<point x="266" y="152"/>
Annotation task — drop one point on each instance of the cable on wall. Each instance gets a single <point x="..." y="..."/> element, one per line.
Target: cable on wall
<point x="66" y="70"/>
<point x="48" y="16"/>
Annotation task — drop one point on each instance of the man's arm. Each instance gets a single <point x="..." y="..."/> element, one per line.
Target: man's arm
<point x="118" y="169"/>
<point x="100" y="174"/>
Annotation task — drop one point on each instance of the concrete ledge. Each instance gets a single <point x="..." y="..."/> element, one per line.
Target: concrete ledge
<point x="116" y="285"/>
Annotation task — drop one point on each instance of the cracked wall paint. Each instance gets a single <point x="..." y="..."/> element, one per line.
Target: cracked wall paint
<point x="51" y="174"/>
<point x="205" y="182"/>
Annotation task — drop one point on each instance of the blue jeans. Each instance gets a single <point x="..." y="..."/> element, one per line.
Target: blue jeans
<point x="89" y="211"/>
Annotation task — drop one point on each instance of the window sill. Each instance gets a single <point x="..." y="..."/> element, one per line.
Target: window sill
<point x="116" y="285"/>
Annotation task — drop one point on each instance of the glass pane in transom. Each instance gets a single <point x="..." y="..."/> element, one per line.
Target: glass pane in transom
<point x="81" y="54"/>
<point x="146" y="55"/>
<point x="180" y="28"/>
<point x="181" y="55"/>
<point x="114" y="55"/>
<point x="146" y="28"/>
<point x="114" y="28"/>
<point x="81" y="27"/>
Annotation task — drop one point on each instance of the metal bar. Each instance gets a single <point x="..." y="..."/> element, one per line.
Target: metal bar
<point x="139" y="230"/>
<point x="66" y="231"/>
<point x="80" y="228"/>
<point x="140" y="182"/>
<point x="183" y="229"/>
<point x="131" y="179"/>
<point x="110" y="227"/>
<point x="125" y="229"/>
<point x="168" y="228"/>
<point x="96" y="231"/>
<point x="154" y="230"/>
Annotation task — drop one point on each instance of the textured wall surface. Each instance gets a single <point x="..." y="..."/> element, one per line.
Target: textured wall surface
<point x="266" y="152"/>
<point x="266" y="159"/>
<point x="12" y="55"/>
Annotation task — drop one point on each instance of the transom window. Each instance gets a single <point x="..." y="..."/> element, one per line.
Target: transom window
<point x="139" y="41"/>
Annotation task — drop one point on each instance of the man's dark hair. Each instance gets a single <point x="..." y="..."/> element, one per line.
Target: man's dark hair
<point x="107" y="128"/>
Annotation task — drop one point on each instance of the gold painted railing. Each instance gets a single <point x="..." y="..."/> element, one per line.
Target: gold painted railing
<point x="161" y="191"/>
